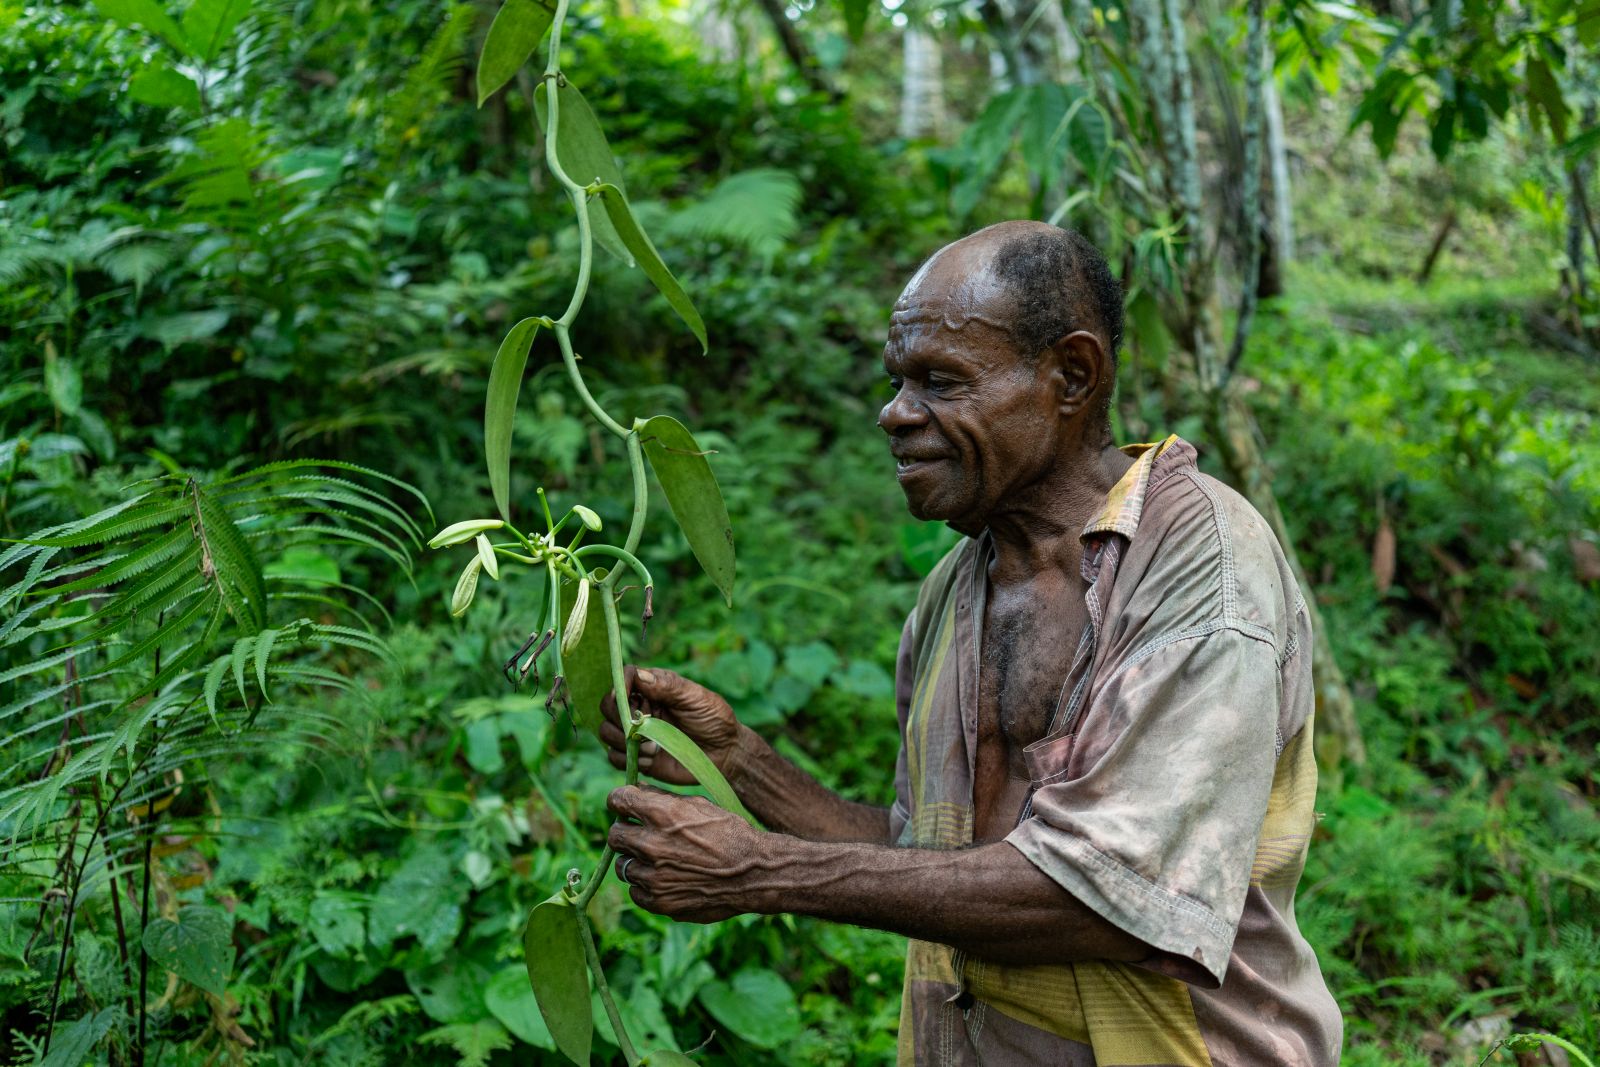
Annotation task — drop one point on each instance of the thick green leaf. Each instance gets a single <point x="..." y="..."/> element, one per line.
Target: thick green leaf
<point x="553" y="952"/>
<point x="164" y="87"/>
<point x="517" y="29"/>
<point x="208" y="24"/>
<point x="665" y="1057"/>
<point x="513" y="1003"/>
<point x="1545" y="91"/>
<point x="146" y="13"/>
<point x="1584" y="143"/>
<point x="685" y="751"/>
<point x="584" y="155"/>
<point x="1089" y="138"/>
<point x="855" y="19"/>
<point x="758" y="1005"/>
<point x="64" y="383"/>
<point x="587" y="668"/>
<point x="73" y="1044"/>
<point x="693" y="496"/>
<point x="197" y="948"/>
<point x="644" y="253"/>
<point x="451" y="991"/>
<point x="337" y="924"/>
<point x="505" y="382"/>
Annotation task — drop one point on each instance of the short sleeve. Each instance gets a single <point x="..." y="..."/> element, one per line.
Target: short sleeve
<point x="904" y="681"/>
<point x="1157" y="830"/>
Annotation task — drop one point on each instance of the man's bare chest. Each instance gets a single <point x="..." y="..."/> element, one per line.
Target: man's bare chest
<point x="1029" y="638"/>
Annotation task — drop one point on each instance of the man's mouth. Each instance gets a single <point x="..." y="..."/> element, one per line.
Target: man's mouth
<point x="905" y="465"/>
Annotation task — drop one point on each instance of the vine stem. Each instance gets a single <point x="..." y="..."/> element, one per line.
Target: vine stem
<point x="618" y="553"/>
<point x="564" y="339"/>
<point x="592" y="955"/>
<point x="562" y="330"/>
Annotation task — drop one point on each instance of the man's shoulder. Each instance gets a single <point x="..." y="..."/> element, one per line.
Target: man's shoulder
<point x="1201" y="535"/>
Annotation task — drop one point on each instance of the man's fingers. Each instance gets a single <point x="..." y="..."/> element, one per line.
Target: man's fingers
<point x="608" y="703"/>
<point x="655" y="684"/>
<point x="611" y="735"/>
<point x="629" y="840"/>
<point x="649" y="806"/>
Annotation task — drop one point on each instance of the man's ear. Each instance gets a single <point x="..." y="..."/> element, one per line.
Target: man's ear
<point x="1080" y="366"/>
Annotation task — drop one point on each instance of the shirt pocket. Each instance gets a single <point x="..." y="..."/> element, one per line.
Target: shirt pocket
<point x="1049" y="759"/>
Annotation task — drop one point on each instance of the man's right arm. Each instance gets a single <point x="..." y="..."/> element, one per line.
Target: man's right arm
<point x="784" y="797"/>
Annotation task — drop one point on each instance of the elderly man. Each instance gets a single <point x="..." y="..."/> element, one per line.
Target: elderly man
<point x="1104" y="792"/>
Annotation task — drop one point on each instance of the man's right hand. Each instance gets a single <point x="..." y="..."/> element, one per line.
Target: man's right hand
<point x="692" y="708"/>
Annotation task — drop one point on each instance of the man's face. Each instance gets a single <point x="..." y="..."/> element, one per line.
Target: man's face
<point x="972" y="421"/>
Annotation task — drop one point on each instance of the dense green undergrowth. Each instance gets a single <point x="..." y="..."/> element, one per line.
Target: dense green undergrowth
<point x="320" y="263"/>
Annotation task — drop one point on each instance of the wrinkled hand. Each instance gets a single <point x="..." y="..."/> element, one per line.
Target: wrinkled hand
<point x="692" y="708"/>
<point x="686" y="858"/>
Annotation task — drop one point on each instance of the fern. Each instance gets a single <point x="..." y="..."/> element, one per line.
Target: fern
<point x="427" y="81"/>
<point x="141" y="643"/>
<point x="757" y="210"/>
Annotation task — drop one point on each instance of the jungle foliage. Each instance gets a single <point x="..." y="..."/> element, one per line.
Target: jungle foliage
<point x="263" y="799"/>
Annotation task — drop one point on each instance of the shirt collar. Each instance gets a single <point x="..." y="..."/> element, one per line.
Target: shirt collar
<point x="1125" y="503"/>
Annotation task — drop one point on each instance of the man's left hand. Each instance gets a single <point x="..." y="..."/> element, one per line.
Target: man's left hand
<point x="686" y="858"/>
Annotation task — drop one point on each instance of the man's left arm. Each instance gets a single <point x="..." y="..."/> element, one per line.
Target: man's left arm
<point x="688" y="859"/>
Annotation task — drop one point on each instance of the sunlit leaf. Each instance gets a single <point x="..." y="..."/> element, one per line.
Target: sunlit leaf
<point x="679" y="745"/>
<point x="197" y="948"/>
<point x="164" y="87"/>
<point x="208" y="24"/>
<point x="627" y="227"/>
<point x="693" y="495"/>
<point x="146" y="13"/>
<point x="517" y="29"/>
<point x="500" y="406"/>
<point x="584" y="155"/>
<point x="553" y="953"/>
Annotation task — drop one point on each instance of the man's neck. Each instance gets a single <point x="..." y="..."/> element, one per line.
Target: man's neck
<point x="1038" y="532"/>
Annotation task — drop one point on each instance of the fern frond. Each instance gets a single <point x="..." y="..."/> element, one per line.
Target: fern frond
<point x="756" y="210"/>
<point x="169" y="630"/>
<point x="233" y="561"/>
<point x="116" y="568"/>
<point x="267" y="470"/>
<point x="114" y="523"/>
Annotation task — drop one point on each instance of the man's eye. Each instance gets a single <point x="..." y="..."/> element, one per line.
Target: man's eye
<point x="896" y="383"/>
<point x="940" y="384"/>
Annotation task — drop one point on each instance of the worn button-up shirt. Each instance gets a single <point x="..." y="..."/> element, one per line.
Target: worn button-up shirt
<point x="1172" y="794"/>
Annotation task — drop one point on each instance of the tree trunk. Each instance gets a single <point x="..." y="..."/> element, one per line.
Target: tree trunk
<point x="1278" y="252"/>
<point x="795" y="47"/>
<point x="1160" y="36"/>
<point x="1447" y="226"/>
<point x="921" y="87"/>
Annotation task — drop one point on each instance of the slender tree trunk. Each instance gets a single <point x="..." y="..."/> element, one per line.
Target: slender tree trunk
<point x="795" y="47"/>
<point x="1279" y="250"/>
<point x="1161" y="39"/>
<point x="921" y="87"/>
<point x="1446" y="227"/>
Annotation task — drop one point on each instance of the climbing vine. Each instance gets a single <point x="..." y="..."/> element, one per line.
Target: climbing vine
<point x="573" y="582"/>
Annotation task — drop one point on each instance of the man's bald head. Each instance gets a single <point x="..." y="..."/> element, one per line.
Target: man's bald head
<point x="1035" y="281"/>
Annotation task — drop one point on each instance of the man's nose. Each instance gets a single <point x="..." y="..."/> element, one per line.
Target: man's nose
<point x="901" y="414"/>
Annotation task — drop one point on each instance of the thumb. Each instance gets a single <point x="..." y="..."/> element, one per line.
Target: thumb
<point x="653" y="685"/>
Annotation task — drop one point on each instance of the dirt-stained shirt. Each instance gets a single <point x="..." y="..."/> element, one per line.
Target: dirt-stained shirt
<point x="1172" y="794"/>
